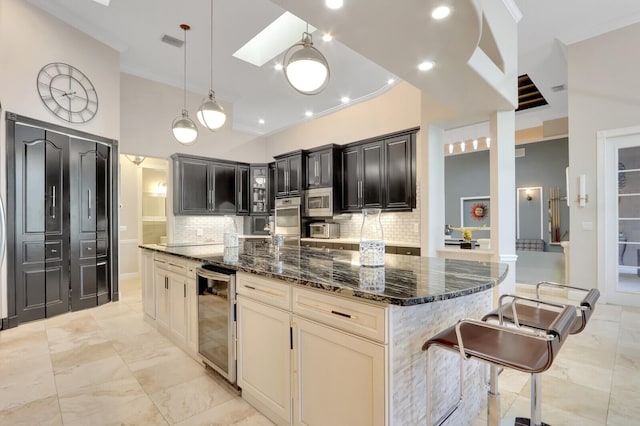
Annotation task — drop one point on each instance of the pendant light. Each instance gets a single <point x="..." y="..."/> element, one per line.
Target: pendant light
<point x="305" y="68"/>
<point x="211" y="114"/>
<point x="184" y="129"/>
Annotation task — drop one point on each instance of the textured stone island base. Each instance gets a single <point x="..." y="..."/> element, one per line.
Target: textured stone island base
<point x="410" y="327"/>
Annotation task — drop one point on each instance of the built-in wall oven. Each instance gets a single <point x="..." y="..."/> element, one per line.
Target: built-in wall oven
<point x="217" y="319"/>
<point x="288" y="216"/>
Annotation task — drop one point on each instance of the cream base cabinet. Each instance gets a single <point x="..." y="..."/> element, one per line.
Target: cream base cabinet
<point x="148" y="287"/>
<point x="264" y="358"/>
<point x="178" y="295"/>
<point x="338" y="378"/>
<point x="163" y="299"/>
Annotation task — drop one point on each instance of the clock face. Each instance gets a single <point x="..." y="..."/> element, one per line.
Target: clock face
<point x="67" y="92"/>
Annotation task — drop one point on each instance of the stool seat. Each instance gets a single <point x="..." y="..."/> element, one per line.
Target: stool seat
<point x="540" y="315"/>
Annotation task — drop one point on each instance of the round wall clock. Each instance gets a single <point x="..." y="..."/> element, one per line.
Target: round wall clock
<point x="67" y="92"/>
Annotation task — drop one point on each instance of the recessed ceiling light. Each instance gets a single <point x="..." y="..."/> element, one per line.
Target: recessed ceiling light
<point x="391" y="81"/>
<point x="345" y="99"/>
<point x="308" y="113"/>
<point x="261" y="121"/>
<point x="334" y="4"/>
<point x="278" y="66"/>
<point x="440" y="12"/>
<point x="327" y="37"/>
<point x="426" y="66"/>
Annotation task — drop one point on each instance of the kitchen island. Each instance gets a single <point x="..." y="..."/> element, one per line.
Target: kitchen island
<point x="322" y="340"/>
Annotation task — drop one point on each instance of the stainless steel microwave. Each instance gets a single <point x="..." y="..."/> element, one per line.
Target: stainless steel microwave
<point x="318" y="202"/>
<point x="324" y="230"/>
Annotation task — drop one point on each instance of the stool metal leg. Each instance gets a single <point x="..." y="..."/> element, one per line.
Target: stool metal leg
<point x="536" y="399"/>
<point x="455" y="406"/>
<point x="493" y="398"/>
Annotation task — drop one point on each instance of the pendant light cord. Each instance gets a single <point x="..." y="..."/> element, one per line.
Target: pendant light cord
<point x="184" y="74"/>
<point x="211" y="50"/>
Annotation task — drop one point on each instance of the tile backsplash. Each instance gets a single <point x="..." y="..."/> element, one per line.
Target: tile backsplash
<point x="186" y="229"/>
<point x="396" y="226"/>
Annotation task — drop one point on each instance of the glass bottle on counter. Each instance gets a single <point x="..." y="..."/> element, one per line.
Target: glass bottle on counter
<point x="371" y="239"/>
<point x="230" y="236"/>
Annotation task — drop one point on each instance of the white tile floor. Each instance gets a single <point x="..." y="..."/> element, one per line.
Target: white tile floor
<point x="108" y="366"/>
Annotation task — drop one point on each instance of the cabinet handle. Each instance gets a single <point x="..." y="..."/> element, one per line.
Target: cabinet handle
<point x="240" y="198"/>
<point x="340" y="314"/>
<point x="360" y="192"/>
<point x="89" y="202"/>
<point x="259" y="290"/>
<point x="166" y="283"/>
<point x="315" y="172"/>
<point x="54" y="251"/>
<point x="53" y="202"/>
<point x="185" y="290"/>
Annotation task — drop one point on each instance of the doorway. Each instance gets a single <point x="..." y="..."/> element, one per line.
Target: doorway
<point x="619" y="215"/>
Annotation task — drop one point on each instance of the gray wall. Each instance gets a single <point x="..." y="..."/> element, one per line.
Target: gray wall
<point x="544" y="164"/>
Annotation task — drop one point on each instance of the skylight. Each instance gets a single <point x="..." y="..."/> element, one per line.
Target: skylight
<point x="273" y="40"/>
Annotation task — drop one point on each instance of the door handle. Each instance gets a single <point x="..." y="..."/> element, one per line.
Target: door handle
<point x="166" y="283"/>
<point x="53" y="202"/>
<point x="89" y="202"/>
<point x="185" y="289"/>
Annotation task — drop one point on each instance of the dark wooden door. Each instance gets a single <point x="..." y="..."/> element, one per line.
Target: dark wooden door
<point x="325" y="168"/>
<point x="194" y="187"/>
<point x="351" y="179"/>
<point x="398" y="189"/>
<point x="272" y="187"/>
<point x="372" y="189"/>
<point x="282" y="171"/>
<point x="89" y="172"/>
<point x="313" y="174"/>
<point x="42" y="232"/>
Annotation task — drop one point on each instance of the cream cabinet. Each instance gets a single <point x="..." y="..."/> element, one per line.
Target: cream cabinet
<point x="310" y="358"/>
<point x="148" y="287"/>
<point x="338" y="378"/>
<point x="176" y="300"/>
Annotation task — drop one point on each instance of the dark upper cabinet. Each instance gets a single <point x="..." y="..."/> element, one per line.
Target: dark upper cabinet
<point x="244" y="191"/>
<point x="204" y="187"/>
<point x="362" y="177"/>
<point x="379" y="173"/>
<point x="399" y="190"/>
<point x="289" y="173"/>
<point x="272" y="188"/>
<point x="259" y="189"/>
<point x="321" y="167"/>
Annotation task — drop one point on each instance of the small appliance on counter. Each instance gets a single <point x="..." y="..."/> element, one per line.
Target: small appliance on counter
<point x="324" y="230"/>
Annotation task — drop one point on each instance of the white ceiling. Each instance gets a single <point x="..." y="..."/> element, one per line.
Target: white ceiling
<point x="387" y="36"/>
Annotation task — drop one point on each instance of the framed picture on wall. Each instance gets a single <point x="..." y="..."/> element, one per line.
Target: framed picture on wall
<point x="474" y="212"/>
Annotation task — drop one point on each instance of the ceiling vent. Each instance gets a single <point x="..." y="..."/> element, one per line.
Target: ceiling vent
<point x="175" y="42"/>
<point x="528" y="94"/>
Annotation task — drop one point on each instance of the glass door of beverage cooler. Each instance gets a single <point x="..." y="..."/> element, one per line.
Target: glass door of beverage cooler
<point x="259" y="182"/>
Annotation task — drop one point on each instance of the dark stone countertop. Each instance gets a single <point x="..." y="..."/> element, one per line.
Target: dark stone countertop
<point x="404" y="280"/>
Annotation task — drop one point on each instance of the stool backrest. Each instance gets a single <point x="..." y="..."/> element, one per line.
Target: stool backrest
<point x="587" y="306"/>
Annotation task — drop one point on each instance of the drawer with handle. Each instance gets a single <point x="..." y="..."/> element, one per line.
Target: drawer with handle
<point x="351" y="316"/>
<point x="264" y="290"/>
<point x="171" y="263"/>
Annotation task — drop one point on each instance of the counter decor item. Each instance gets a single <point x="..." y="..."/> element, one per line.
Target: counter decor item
<point x="467" y="236"/>
<point x="230" y="236"/>
<point x="371" y="239"/>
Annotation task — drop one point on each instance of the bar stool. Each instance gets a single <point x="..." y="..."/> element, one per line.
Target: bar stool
<point x="524" y="350"/>
<point x="538" y="316"/>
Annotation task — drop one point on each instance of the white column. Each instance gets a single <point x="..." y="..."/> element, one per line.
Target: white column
<point x="503" y="195"/>
<point x="432" y="190"/>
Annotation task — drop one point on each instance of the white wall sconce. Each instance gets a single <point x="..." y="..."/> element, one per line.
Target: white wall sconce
<point x="583" y="197"/>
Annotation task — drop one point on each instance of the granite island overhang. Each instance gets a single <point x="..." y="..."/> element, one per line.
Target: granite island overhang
<point x="420" y="296"/>
<point x="403" y="281"/>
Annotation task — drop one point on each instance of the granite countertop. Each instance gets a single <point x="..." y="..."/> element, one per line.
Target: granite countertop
<point x="404" y="280"/>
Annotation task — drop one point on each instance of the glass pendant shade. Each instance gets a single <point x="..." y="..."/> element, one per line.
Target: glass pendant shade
<point x="306" y="69"/>
<point x="184" y="129"/>
<point x="211" y="114"/>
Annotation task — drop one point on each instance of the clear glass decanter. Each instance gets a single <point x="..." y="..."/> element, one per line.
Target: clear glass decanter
<point x="371" y="239"/>
<point x="230" y="238"/>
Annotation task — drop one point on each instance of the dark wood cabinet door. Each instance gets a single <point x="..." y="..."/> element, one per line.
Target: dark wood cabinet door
<point x="313" y="175"/>
<point x="295" y="175"/>
<point x="243" y="203"/>
<point x="193" y="187"/>
<point x="372" y="175"/>
<point x="259" y="190"/>
<point x="350" y="173"/>
<point x="325" y="168"/>
<point x="272" y="188"/>
<point x="224" y="188"/>
<point x="398" y="191"/>
<point x="282" y="171"/>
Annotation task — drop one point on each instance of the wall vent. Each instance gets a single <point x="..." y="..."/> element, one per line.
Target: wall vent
<point x="528" y="94"/>
<point x="175" y="42"/>
<point x="519" y="152"/>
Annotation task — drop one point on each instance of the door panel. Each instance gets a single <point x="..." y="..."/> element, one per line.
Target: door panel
<point x="350" y="179"/>
<point x="398" y="176"/>
<point x="194" y="186"/>
<point x="224" y="188"/>
<point x="372" y="175"/>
